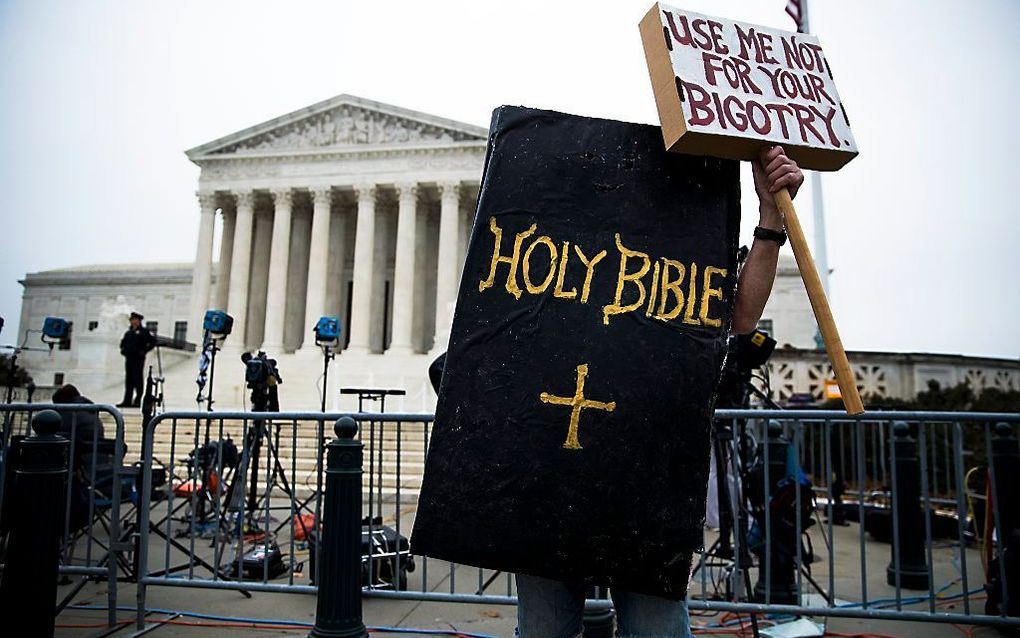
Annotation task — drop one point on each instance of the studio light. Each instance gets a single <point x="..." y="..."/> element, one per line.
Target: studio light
<point x="327" y="332"/>
<point x="217" y="324"/>
<point x="55" y="331"/>
<point x="327" y="337"/>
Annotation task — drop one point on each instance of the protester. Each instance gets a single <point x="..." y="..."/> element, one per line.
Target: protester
<point x="553" y="609"/>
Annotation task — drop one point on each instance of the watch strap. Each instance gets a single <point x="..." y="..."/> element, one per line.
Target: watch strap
<point x="778" y="236"/>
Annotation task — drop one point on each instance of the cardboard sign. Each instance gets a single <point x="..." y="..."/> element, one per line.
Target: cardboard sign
<point x="572" y="432"/>
<point x="724" y="87"/>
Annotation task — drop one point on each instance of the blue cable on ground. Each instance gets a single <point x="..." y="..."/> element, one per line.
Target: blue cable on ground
<point x="273" y="621"/>
<point x="880" y="603"/>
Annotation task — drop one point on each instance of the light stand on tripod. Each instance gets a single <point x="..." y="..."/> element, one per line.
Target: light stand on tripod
<point x="327" y="338"/>
<point x="216" y="327"/>
<point x="54" y="331"/>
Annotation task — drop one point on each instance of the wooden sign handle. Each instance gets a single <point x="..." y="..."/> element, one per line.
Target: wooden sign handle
<point x="823" y="315"/>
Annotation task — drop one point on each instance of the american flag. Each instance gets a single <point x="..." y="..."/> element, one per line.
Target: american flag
<point x="796" y="9"/>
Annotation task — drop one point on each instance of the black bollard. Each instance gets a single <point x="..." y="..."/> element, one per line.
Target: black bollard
<point x="1006" y="466"/>
<point x="598" y="623"/>
<point x="338" y="605"/>
<point x="777" y="573"/>
<point x="28" y="588"/>
<point x="906" y="508"/>
<point x="1006" y="472"/>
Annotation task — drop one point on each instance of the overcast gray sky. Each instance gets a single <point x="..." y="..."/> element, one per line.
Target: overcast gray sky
<point x="98" y="101"/>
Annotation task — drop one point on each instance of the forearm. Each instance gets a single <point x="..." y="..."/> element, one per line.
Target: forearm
<point x="757" y="275"/>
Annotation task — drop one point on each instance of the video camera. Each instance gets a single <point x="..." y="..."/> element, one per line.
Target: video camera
<point x="744" y="354"/>
<point x="260" y="371"/>
<point x="205" y="456"/>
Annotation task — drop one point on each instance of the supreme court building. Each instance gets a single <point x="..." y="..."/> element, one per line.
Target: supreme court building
<point x="349" y="208"/>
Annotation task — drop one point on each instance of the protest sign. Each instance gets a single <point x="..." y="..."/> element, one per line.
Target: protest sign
<point x="723" y="87"/>
<point x="572" y="431"/>
<point x="728" y="89"/>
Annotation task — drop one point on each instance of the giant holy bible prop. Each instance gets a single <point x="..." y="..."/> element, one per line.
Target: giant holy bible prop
<point x="572" y="431"/>
<point x="727" y="89"/>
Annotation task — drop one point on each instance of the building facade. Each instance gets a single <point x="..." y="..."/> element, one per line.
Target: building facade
<point x="349" y="208"/>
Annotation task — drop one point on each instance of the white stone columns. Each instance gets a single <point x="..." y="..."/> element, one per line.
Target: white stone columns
<point x="448" y="267"/>
<point x="403" y="269"/>
<point x="240" y="265"/>
<point x="318" y="260"/>
<point x="200" y="278"/>
<point x="279" y="257"/>
<point x="364" y="259"/>
<point x="226" y="253"/>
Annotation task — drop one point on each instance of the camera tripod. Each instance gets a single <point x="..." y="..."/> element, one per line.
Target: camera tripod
<point x="151" y="403"/>
<point x="328" y="354"/>
<point x="265" y="398"/>
<point x="730" y="546"/>
<point x="735" y="453"/>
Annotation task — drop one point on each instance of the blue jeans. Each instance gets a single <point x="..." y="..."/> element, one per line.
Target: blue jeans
<point x="553" y="609"/>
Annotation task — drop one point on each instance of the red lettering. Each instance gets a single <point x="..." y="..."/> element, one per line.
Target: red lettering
<point x="803" y="87"/>
<point x="781" y="111"/>
<point x="774" y="76"/>
<point x="787" y="84"/>
<point x="716" y="30"/>
<point x="707" y="108"/>
<point x="698" y="114"/>
<point x="710" y="69"/>
<point x="805" y="119"/>
<point x="683" y="38"/>
<point x="791" y="53"/>
<point x="719" y="109"/>
<point x="765" y="46"/>
<point x="766" y="124"/>
<point x="816" y="53"/>
<point x="730" y="67"/>
<point x="818" y="84"/>
<point x="738" y="119"/>
<point x="700" y="28"/>
<point x="747" y="40"/>
<point x="827" y="118"/>
<point x="744" y="73"/>
<point x="804" y="52"/>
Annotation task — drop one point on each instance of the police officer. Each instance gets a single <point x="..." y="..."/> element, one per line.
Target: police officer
<point x="134" y="346"/>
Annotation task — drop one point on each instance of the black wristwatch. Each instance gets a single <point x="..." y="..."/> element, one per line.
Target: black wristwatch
<point x="778" y="236"/>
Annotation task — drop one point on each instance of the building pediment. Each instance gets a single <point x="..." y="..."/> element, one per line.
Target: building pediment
<point x="342" y="122"/>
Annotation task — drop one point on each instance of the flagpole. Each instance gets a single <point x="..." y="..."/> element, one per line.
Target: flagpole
<point x="820" y="251"/>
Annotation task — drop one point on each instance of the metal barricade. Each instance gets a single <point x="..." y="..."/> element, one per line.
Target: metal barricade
<point x="92" y="543"/>
<point x="244" y="481"/>
<point x="822" y="465"/>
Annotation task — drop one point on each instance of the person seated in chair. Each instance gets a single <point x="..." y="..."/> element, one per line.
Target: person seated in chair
<point x="85" y="426"/>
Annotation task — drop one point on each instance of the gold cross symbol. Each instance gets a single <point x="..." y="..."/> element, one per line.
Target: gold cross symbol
<point x="577" y="403"/>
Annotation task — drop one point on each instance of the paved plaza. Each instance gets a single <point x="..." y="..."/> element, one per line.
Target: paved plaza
<point x="499" y="619"/>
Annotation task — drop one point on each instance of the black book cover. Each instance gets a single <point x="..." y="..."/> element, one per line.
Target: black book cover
<point x="572" y="432"/>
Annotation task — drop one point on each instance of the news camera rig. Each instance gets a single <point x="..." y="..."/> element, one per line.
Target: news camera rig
<point x="262" y="377"/>
<point x="56" y="331"/>
<point x="743" y="494"/>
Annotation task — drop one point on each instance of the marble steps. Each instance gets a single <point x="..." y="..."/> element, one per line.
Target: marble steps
<point x="411" y="454"/>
